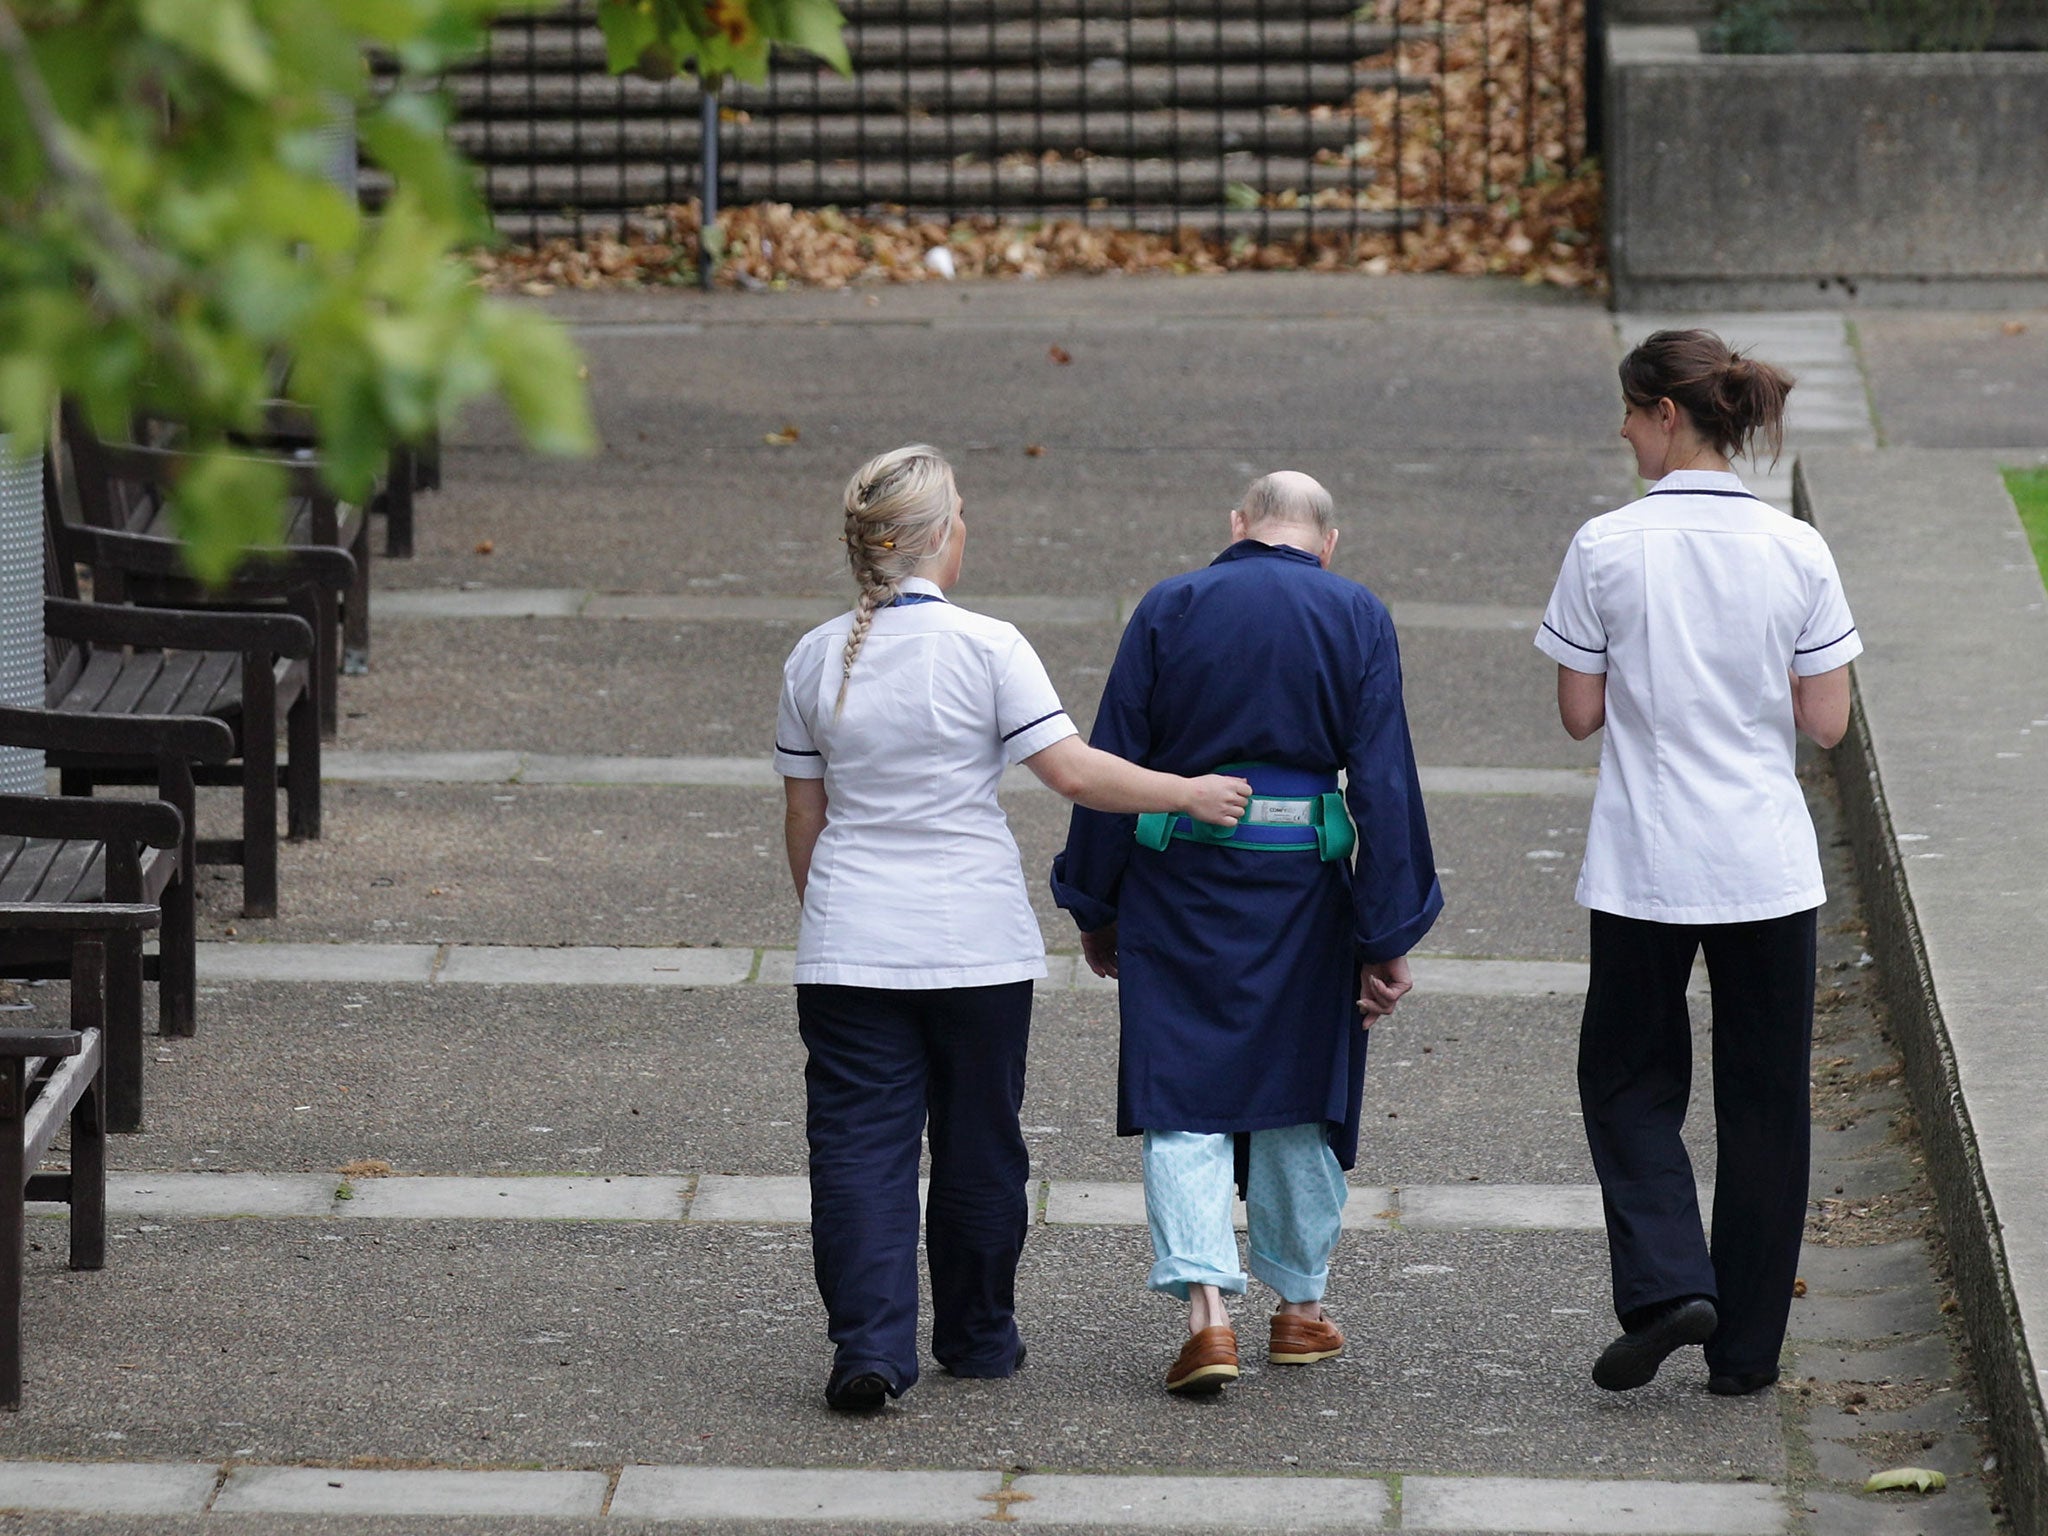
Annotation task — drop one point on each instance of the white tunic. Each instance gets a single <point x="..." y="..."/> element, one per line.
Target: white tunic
<point x="916" y="882"/>
<point x="1696" y="601"/>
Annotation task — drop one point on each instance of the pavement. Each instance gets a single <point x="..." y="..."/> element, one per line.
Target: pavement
<point x="475" y="1204"/>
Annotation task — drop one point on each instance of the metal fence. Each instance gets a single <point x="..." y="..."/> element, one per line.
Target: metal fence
<point x="1259" y="119"/>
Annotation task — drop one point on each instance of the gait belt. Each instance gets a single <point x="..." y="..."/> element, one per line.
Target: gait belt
<point x="1291" y="810"/>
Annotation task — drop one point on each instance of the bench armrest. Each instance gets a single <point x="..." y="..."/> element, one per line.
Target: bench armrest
<point x="61" y="730"/>
<point x="79" y="916"/>
<point x="153" y="823"/>
<point x="260" y="573"/>
<point x="182" y="629"/>
<point x="40" y="1042"/>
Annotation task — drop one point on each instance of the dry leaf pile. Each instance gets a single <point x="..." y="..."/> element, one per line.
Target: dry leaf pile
<point x="1492" y="142"/>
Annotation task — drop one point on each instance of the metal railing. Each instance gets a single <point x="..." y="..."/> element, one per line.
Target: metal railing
<point x="1264" y="120"/>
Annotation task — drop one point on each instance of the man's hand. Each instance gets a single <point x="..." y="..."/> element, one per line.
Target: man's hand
<point x="1217" y="799"/>
<point x="1381" y="985"/>
<point x="1099" y="950"/>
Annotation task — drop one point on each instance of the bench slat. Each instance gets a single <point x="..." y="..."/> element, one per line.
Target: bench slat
<point x="32" y="859"/>
<point x="77" y="873"/>
<point x="59" y="1091"/>
<point x="92" y="685"/>
<point x="139" y="670"/>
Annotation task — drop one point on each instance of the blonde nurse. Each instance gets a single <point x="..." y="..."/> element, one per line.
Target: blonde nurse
<point x="918" y="947"/>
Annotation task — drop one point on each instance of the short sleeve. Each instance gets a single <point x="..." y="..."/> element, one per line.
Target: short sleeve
<point x="1571" y="633"/>
<point x="1829" y="639"/>
<point x="796" y="752"/>
<point x="1028" y="712"/>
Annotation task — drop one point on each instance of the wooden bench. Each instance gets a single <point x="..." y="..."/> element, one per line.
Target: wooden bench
<point x="321" y="571"/>
<point x="65" y="850"/>
<point x="253" y="672"/>
<point x="51" y="1078"/>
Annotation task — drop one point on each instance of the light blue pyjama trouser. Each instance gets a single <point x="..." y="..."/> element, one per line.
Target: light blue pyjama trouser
<point x="1294" y="1199"/>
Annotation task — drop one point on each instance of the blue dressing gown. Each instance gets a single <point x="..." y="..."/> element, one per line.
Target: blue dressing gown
<point x="1239" y="967"/>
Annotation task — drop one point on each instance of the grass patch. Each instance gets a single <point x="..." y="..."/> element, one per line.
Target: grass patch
<point x="2029" y="489"/>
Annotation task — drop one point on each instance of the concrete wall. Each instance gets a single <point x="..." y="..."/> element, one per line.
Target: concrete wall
<point x="1797" y="180"/>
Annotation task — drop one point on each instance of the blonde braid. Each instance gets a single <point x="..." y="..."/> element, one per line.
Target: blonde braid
<point x="899" y="512"/>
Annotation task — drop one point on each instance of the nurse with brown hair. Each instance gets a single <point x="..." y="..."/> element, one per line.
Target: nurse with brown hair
<point x="1703" y="631"/>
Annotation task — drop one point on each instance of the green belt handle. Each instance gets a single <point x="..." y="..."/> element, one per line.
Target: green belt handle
<point x="1336" y="837"/>
<point x="1155" y="830"/>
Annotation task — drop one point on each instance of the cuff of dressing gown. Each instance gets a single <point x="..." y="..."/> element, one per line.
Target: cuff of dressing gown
<point x="1090" y="914"/>
<point x="1838" y="652"/>
<point x="1392" y="945"/>
<point x="1567" y="652"/>
<point x="792" y="764"/>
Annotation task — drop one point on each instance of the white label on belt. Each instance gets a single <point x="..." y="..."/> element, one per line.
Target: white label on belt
<point x="1280" y="813"/>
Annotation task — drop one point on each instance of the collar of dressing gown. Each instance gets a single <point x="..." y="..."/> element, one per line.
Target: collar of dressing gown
<point x="1252" y="549"/>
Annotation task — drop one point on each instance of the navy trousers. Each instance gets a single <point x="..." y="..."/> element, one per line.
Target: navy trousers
<point x="1635" y="1078"/>
<point x="886" y="1068"/>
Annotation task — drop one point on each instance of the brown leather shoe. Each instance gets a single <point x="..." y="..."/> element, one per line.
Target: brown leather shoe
<point x="1302" y="1340"/>
<point x="1207" y="1360"/>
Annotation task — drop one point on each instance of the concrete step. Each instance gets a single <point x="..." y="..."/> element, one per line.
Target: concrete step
<point x="1143" y="87"/>
<point x="1281" y="41"/>
<point x="1204" y="183"/>
<point x="605" y="140"/>
<point x="983" y="12"/>
<point x="1269" y="224"/>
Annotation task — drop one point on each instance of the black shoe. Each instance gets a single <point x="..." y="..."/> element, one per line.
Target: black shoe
<point x="1741" y="1383"/>
<point x="862" y="1392"/>
<point x="1631" y="1361"/>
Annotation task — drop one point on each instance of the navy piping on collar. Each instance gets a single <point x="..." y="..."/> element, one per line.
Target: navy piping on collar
<point x="1809" y="650"/>
<point x="1568" y="640"/>
<point x="906" y="599"/>
<point x="1030" y="723"/>
<point x="1681" y="491"/>
<point x="795" y="751"/>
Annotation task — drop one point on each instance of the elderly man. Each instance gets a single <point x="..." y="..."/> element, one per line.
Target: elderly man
<point x="1253" y="961"/>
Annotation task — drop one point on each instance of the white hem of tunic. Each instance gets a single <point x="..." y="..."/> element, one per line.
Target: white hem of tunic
<point x="836" y="973"/>
<point x="1747" y="912"/>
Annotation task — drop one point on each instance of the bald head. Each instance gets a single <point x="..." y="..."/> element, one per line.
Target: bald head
<point x="1287" y="498"/>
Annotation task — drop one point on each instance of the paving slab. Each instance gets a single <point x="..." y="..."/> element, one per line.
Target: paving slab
<point x="115" y="1488"/>
<point x="746" y="1493"/>
<point x="617" y="1197"/>
<point x="1424" y="523"/>
<point x="1956" y="380"/>
<point x="1193" y="1503"/>
<point x="1625" y="1509"/>
<point x="586" y="1345"/>
<point x="515" y="864"/>
<point x="591" y="690"/>
<point x="320" y="1490"/>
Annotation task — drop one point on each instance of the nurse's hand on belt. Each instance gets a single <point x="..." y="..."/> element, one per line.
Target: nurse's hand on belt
<point x="1381" y="985"/>
<point x="1216" y="798"/>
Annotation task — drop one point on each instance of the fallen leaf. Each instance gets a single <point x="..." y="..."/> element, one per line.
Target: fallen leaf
<point x="1059" y="354"/>
<point x="1919" y="1479"/>
<point x="782" y="439"/>
<point x="2013" y="328"/>
<point x="1034" y="450"/>
<point x="1798" y="1287"/>
<point x="485" y="546"/>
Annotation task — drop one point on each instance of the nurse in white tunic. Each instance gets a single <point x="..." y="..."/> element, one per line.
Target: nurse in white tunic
<point x="918" y="946"/>
<point x="1704" y="630"/>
